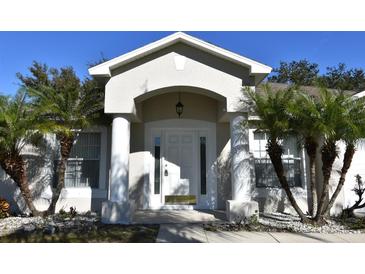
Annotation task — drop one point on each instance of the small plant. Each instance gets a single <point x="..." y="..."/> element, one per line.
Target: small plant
<point x="70" y="214"/>
<point x="247" y="223"/>
<point x="73" y="212"/>
<point x="359" y="190"/>
<point x="4" y="208"/>
<point x="253" y="220"/>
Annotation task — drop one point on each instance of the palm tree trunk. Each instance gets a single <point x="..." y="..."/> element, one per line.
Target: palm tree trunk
<point x="14" y="165"/>
<point x="66" y="143"/>
<point x="329" y="155"/>
<point x="275" y="152"/>
<point x="347" y="159"/>
<point x="24" y="189"/>
<point x="311" y="149"/>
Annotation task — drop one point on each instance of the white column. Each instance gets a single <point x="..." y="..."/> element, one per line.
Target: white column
<point x="120" y="160"/>
<point x="117" y="209"/>
<point x="240" y="167"/>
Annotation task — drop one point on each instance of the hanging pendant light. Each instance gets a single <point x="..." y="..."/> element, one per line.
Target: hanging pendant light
<point x="179" y="107"/>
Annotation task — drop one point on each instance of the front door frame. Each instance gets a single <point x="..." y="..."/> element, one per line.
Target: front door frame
<point x="201" y="129"/>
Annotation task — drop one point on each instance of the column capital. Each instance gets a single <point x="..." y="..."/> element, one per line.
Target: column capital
<point x="126" y="116"/>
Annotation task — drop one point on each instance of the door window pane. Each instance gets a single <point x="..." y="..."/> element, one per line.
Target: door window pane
<point x="157" y="156"/>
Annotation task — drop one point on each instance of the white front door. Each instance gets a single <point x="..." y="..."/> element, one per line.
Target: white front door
<point x="181" y="163"/>
<point x="179" y="176"/>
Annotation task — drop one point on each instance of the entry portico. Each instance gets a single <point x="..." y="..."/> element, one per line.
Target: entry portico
<point x="160" y="160"/>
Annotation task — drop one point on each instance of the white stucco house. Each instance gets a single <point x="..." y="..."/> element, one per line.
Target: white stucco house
<point x="174" y="110"/>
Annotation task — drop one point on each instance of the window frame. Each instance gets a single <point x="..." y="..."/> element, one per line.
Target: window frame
<point x="303" y="170"/>
<point x="102" y="130"/>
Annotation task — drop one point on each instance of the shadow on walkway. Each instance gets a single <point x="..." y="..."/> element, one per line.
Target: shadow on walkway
<point x="177" y="216"/>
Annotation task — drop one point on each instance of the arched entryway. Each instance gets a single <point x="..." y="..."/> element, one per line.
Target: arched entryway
<point x="181" y="151"/>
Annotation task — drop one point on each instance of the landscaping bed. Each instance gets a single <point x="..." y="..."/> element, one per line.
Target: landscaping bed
<point x="78" y="229"/>
<point x="280" y="222"/>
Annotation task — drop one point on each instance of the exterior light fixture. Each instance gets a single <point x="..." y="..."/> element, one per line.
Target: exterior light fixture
<point x="179" y="107"/>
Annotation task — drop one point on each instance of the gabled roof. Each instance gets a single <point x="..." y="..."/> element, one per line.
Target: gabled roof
<point x="105" y="69"/>
<point x="311" y="90"/>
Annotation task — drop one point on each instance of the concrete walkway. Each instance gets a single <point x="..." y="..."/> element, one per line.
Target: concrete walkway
<point x="177" y="216"/>
<point x="194" y="233"/>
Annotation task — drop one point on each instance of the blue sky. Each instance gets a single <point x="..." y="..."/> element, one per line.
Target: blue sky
<point x="19" y="49"/>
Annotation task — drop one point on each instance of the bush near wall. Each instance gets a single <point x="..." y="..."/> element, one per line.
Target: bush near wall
<point x="4" y="208"/>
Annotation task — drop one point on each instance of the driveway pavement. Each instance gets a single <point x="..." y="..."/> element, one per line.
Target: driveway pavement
<point x="194" y="233"/>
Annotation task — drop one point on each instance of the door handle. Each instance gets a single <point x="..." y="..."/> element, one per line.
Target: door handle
<point x="166" y="172"/>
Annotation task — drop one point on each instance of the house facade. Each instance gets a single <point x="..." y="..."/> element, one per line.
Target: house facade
<point x="176" y="140"/>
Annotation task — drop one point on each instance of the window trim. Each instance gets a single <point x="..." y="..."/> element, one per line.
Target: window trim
<point x="303" y="164"/>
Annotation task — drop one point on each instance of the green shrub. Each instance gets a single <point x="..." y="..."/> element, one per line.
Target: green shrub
<point x="4" y="208"/>
<point x="68" y="214"/>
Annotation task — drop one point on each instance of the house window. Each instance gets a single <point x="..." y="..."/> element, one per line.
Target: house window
<point x="264" y="170"/>
<point x="203" y="166"/>
<point x="157" y="165"/>
<point x="83" y="166"/>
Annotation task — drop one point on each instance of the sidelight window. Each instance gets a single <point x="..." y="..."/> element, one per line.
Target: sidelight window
<point x="157" y="156"/>
<point x="203" y="165"/>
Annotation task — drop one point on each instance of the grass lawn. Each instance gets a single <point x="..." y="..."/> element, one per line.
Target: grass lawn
<point x="99" y="233"/>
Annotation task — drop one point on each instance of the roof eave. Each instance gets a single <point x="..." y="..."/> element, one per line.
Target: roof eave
<point x="104" y="69"/>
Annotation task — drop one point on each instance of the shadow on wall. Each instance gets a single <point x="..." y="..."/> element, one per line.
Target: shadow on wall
<point x="222" y="171"/>
<point x="138" y="193"/>
<point x="139" y="187"/>
<point x="39" y="171"/>
<point x="269" y="199"/>
<point x="275" y="199"/>
<point x="10" y="192"/>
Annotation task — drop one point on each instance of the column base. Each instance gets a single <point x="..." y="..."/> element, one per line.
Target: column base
<point x="115" y="213"/>
<point x="237" y="211"/>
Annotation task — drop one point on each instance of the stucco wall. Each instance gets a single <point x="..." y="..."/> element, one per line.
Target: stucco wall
<point x="201" y="70"/>
<point x="138" y="180"/>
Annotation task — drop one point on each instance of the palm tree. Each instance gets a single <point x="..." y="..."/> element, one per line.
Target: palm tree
<point x="19" y="126"/>
<point x="352" y="130"/>
<point x="334" y="110"/>
<point x="69" y="103"/>
<point x="272" y="109"/>
<point x="305" y="122"/>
